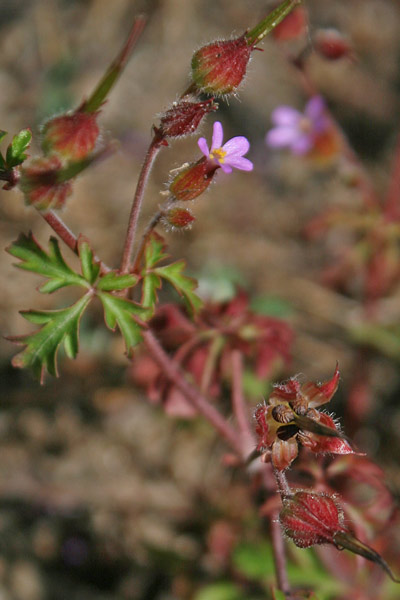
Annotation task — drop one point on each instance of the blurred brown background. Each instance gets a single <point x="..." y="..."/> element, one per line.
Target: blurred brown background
<point x="94" y="483"/>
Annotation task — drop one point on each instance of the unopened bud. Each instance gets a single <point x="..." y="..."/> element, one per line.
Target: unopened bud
<point x="184" y="117"/>
<point x="309" y="518"/>
<point x="71" y="136"/>
<point x="178" y="218"/>
<point x="40" y="184"/>
<point x="331" y="44"/>
<point x="192" y="180"/>
<point x="220" y="67"/>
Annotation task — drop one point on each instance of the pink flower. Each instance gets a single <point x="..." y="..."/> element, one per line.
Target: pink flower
<point x="227" y="156"/>
<point x="295" y="130"/>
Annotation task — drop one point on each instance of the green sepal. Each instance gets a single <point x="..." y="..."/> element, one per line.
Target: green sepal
<point x="51" y="264"/>
<point x="126" y="315"/>
<point x="16" y="150"/>
<point x="41" y="347"/>
<point x="113" y="282"/>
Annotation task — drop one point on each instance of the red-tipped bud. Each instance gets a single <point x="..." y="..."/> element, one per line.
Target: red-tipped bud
<point x="41" y="186"/>
<point x="309" y="518"/>
<point x="193" y="180"/>
<point x="331" y="44"/>
<point x="220" y="67"/>
<point x="178" y="218"/>
<point x="71" y="136"/>
<point x="184" y="117"/>
<point x="292" y="27"/>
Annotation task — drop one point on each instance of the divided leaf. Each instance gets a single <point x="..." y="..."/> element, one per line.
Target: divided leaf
<point x="51" y="265"/>
<point x="173" y="273"/>
<point x="16" y="150"/>
<point x="126" y="315"/>
<point x="58" y="326"/>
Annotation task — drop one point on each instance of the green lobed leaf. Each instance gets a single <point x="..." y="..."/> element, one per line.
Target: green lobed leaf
<point x="51" y="265"/>
<point x="16" y="150"/>
<point x="90" y="268"/>
<point x="254" y="560"/>
<point x="152" y="275"/>
<point x="113" y="282"/>
<point x="184" y="285"/>
<point x="41" y="347"/>
<point x="126" y="315"/>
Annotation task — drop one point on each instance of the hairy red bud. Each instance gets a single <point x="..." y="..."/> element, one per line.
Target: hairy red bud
<point x="72" y="136"/>
<point x="184" y="117"/>
<point x="309" y="518"/>
<point x="193" y="180"/>
<point x="220" y="67"/>
<point x="178" y="218"/>
<point x="40" y="185"/>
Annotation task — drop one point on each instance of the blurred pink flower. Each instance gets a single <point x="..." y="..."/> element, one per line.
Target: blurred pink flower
<point x="295" y="130"/>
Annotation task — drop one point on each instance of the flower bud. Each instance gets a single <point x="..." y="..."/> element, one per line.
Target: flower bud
<point x="40" y="185"/>
<point x="178" y="218"/>
<point x="72" y="136"/>
<point x="193" y="180"/>
<point x="309" y="518"/>
<point x="331" y="44"/>
<point x="220" y="67"/>
<point x="184" y="117"/>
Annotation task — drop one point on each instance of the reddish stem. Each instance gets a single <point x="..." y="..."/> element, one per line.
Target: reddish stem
<point x="175" y="374"/>
<point x="238" y="402"/>
<point x="151" y="154"/>
<point x="278" y="547"/>
<point x="282" y="483"/>
<point x="66" y="235"/>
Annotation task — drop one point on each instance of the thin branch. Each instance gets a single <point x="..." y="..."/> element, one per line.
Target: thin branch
<point x="238" y="402"/>
<point x="278" y="547"/>
<point x="66" y="235"/>
<point x="151" y="154"/>
<point x="175" y="374"/>
<point x="152" y="224"/>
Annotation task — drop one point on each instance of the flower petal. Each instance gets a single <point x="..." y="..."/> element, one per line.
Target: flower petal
<point x="218" y="136"/>
<point x="202" y="144"/>
<point x="302" y="145"/>
<point x="237" y="146"/>
<point x="225" y="167"/>
<point x="281" y="136"/>
<point x="315" y="107"/>
<point x="238" y="162"/>
<point x="285" y="115"/>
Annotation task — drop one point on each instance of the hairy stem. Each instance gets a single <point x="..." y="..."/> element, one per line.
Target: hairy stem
<point x="282" y="483"/>
<point x="151" y="154"/>
<point x="66" y="235"/>
<point x="278" y="547"/>
<point x="152" y="224"/>
<point x="175" y="374"/>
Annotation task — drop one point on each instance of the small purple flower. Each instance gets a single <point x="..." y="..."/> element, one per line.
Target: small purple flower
<point x="296" y="130"/>
<point x="230" y="154"/>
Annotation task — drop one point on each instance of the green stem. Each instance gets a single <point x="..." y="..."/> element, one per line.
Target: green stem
<point x="255" y="35"/>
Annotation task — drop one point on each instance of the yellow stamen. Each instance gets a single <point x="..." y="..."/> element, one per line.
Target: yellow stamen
<point x="218" y="154"/>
